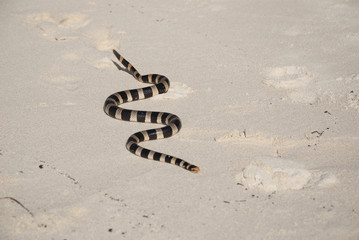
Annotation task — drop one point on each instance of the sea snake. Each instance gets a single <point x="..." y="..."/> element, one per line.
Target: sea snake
<point x="173" y="124"/>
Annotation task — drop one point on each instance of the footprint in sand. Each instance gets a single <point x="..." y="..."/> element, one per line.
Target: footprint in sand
<point x="67" y="27"/>
<point x="59" y="28"/>
<point x="105" y="39"/>
<point x="343" y="91"/>
<point x="72" y="26"/>
<point x="276" y="174"/>
<point x="296" y="80"/>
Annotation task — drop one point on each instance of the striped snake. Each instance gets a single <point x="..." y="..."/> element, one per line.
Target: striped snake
<point x="173" y="124"/>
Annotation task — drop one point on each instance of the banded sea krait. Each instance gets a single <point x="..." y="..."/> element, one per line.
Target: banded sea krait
<point x="173" y="124"/>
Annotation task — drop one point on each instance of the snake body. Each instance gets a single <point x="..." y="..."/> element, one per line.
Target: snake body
<point x="173" y="124"/>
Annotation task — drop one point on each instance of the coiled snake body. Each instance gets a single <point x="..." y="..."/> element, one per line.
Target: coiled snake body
<point x="172" y="122"/>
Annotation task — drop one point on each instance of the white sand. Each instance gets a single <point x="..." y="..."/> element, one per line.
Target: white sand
<point x="268" y="93"/>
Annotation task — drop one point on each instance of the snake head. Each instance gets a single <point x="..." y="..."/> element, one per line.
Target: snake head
<point x="194" y="169"/>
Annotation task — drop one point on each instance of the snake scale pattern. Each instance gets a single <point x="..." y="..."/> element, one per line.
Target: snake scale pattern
<point x="173" y="124"/>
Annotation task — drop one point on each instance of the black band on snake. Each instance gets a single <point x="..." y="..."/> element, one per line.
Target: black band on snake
<point x="172" y="122"/>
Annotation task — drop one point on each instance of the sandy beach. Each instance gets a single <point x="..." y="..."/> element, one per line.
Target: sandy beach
<point x="268" y="95"/>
